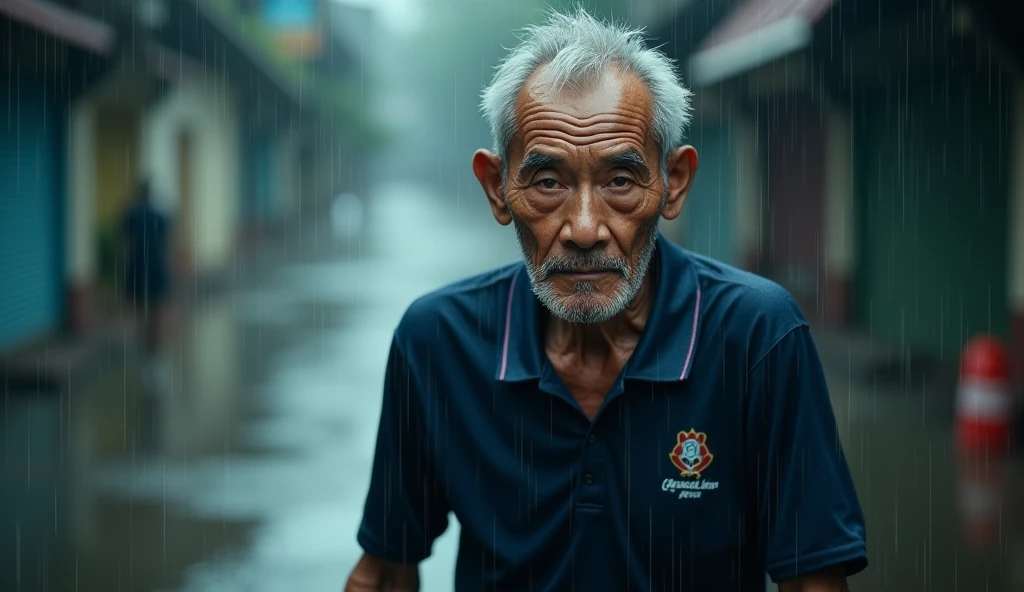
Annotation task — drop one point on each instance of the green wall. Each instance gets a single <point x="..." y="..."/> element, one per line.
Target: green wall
<point x="932" y="191"/>
<point x="710" y="208"/>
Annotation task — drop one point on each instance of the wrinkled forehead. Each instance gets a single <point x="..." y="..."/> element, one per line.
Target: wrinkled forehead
<point x="614" y="104"/>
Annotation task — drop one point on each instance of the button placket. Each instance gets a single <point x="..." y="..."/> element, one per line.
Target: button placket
<point x="590" y="491"/>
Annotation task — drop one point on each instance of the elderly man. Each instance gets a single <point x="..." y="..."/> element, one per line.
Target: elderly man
<point x="614" y="413"/>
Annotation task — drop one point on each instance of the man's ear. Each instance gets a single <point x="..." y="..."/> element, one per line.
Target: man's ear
<point x="487" y="168"/>
<point x="682" y="166"/>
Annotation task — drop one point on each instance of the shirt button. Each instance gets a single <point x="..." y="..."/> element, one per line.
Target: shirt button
<point x="592" y="439"/>
<point x="588" y="479"/>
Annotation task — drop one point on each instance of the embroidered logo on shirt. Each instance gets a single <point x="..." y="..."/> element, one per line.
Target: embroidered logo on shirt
<point x="691" y="456"/>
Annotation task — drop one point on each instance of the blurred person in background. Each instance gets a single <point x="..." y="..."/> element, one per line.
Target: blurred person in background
<point x="614" y="412"/>
<point x="147" y="239"/>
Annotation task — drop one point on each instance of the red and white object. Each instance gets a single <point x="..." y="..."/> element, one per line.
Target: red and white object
<point x="985" y="409"/>
<point x="981" y="499"/>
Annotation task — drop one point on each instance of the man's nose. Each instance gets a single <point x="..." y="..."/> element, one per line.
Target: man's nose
<point x="584" y="226"/>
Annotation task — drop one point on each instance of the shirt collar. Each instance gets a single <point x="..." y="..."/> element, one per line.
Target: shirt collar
<point x="666" y="349"/>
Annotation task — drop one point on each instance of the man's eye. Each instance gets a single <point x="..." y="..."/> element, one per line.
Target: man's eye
<point x="620" y="181"/>
<point x="548" y="183"/>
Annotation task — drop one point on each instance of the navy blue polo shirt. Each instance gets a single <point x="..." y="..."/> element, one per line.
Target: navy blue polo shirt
<point x="713" y="459"/>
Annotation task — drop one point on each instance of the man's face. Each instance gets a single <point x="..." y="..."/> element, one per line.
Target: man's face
<point x="585" y="193"/>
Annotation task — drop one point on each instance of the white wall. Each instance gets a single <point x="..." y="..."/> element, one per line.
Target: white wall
<point x="1016" y="258"/>
<point x="81" y="252"/>
<point x="204" y="106"/>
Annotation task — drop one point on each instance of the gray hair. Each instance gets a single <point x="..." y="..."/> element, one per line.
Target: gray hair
<point x="577" y="49"/>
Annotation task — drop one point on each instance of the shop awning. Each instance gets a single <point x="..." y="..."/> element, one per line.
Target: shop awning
<point x="67" y="25"/>
<point x="757" y="32"/>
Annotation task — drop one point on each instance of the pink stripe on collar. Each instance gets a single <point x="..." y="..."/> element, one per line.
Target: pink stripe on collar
<point x="508" y="326"/>
<point x="693" y="337"/>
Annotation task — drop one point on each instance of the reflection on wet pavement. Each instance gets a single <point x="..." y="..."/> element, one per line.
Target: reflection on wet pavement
<point x="250" y="474"/>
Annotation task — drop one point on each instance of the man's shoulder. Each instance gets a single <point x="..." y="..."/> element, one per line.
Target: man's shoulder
<point x="742" y="301"/>
<point x="473" y="302"/>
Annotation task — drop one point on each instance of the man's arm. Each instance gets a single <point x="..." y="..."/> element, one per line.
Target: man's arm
<point x="406" y="509"/>
<point x="826" y="580"/>
<point x="372" y="574"/>
<point x="810" y="525"/>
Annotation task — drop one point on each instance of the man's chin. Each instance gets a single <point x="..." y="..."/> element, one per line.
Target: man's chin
<point x="588" y="309"/>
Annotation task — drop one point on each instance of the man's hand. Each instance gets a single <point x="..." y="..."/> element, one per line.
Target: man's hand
<point x="377" y="575"/>
<point x="826" y="580"/>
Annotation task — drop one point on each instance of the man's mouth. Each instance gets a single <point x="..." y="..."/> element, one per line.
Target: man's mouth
<point x="587" y="273"/>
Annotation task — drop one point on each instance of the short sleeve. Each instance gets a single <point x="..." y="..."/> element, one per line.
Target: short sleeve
<point x="808" y="515"/>
<point x="405" y="508"/>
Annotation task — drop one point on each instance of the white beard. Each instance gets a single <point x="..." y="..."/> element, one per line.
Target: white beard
<point x="586" y="305"/>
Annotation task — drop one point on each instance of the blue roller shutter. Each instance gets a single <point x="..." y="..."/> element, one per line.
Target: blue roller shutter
<point x="29" y="278"/>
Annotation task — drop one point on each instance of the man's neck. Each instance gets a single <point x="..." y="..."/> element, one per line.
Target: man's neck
<point x="592" y="343"/>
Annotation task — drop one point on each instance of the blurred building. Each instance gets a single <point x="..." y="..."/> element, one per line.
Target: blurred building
<point x="102" y="94"/>
<point x="270" y="138"/>
<point x="349" y="33"/>
<point x="868" y="158"/>
<point x="328" y="38"/>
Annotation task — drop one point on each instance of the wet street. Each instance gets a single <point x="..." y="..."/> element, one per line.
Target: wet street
<point x="250" y="474"/>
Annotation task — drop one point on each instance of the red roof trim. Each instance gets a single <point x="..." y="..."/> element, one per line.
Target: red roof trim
<point x="62" y="23"/>
<point x="753" y="15"/>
